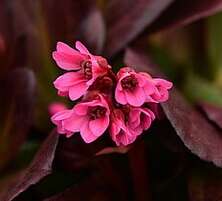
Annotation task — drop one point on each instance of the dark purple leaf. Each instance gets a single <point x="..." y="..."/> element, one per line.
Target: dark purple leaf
<point x="93" y="30"/>
<point x="64" y="18"/>
<point x="112" y="150"/>
<point x="74" y="154"/>
<point x="40" y="167"/>
<point x="21" y="22"/>
<point x="127" y="18"/>
<point x="94" y="189"/>
<point x="202" y="138"/>
<point x="205" y="185"/>
<point x="141" y="181"/>
<point x="183" y="12"/>
<point x="138" y="60"/>
<point x="18" y="91"/>
<point x="213" y="112"/>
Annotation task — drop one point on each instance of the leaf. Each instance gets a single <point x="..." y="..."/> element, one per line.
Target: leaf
<point x="183" y="12"/>
<point x="205" y="184"/>
<point x="112" y="150"/>
<point x="202" y="138"/>
<point x="95" y="188"/>
<point x="93" y="31"/>
<point x="40" y="167"/>
<point x="17" y="105"/>
<point x="127" y="18"/>
<point x="213" y="113"/>
<point x="74" y="154"/>
<point x="71" y="15"/>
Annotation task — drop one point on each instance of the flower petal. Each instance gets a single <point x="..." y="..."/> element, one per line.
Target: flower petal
<point x="120" y="95"/>
<point x="62" y="47"/>
<point x="136" y="98"/>
<point x="99" y="126"/>
<point x="67" y="80"/>
<point x="87" y="134"/>
<point x="77" y="90"/>
<point x="67" y="61"/>
<point x="166" y="84"/>
<point x="74" y="123"/>
<point x="81" y="48"/>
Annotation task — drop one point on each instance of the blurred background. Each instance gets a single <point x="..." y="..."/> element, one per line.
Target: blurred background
<point x="179" y="158"/>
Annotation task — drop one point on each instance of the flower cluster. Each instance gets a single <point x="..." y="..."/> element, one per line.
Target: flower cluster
<point x="117" y="103"/>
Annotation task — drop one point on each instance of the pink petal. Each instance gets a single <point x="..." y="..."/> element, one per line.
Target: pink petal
<point x="62" y="47"/>
<point x="114" y="130"/>
<point x="56" y="107"/>
<point x="166" y="84"/>
<point x="81" y="48"/>
<point x="87" y="134"/>
<point x="98" y="126"/>
<point x="120" y="95"/>
<point x="61" y="115"/>
<point x="146" y="122"/>
<point x="149" y="88"/>
<point x="82" y="108"/>
<point x="77" y="90"/>
<point x="67" y="61"/>
<point x="136" y="98"/>
<point x="74" y="123"/>
<point x="67" y="80"/>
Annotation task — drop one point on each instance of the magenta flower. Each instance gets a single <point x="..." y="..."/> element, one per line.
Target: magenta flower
<point x="56" y="107"/>
<point x="85" y="69"/>
<point x="133" y="88"/>
<point x="140" y="119"/>
<point x="119" y="131"/>
<point x="161" y="93"/>
<point x="59" y="118"/>
<point x="110" y="101"/>
<point x="91" y="119"/>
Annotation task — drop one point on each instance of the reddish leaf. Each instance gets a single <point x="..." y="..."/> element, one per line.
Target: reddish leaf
<point x="141" y="181"/>
<point x="94" y="189"/>
<point x="127" y="18"/>
<point x="213" y="112"/>
<point x="184" y="12"/>
<point x="40" y="167"/>
<point x="112" y="150"/>
<point x="205" y="185"/>
<point x="69" y="16"/>
<point x="17" y="104"/>
<point x="196" y="132"/>
<point x="74" y="154"/>
<point x="93" y="31"/>
<point x="202" y="138"/>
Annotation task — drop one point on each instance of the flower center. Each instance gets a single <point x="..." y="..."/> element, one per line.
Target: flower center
<point x="87" y="69"/>
<point x="129" y="83"/>
<point x="97" y="112"/>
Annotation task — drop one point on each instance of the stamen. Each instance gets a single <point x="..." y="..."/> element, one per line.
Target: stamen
<point x="96" y="112"/>
<point x="87" y="69"/>
<point x="129" y="83"/>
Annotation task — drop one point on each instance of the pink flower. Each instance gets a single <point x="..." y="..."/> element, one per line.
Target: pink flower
<point x="161" y="93"/>
<point x="85" y="69"/>
<point x="56" y="107"/>
<point x="119" y="131"/>
<point x="91" y="119"/>
<point x="140" y="119"/>
<point x="133" y="88"/>
<point x="59" y="118"/>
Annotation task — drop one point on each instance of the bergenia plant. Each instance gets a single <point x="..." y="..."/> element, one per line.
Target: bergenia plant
<point x="118" y="133"/>
<point x="104" y="101"/>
